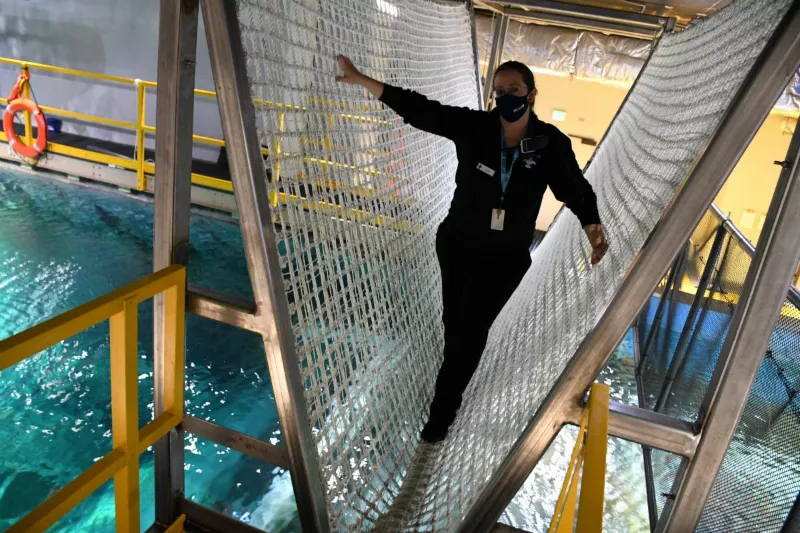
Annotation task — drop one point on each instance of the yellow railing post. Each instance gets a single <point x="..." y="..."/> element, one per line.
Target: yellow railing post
<point x="26" y="93"/>
<point x="125" y="413"/>
<point x="174" y="303"/>
<point x="141" y="184"/>
<point x="277" y="155"/>
<point x="590" y="505"/>
<point x="564" y="516"/>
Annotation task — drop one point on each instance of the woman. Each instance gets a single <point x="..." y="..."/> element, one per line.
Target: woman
<point x="507" y="158"/>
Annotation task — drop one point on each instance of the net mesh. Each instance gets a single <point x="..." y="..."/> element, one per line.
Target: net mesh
<point x="359" y="195"/>
<point x="759" y="477"/>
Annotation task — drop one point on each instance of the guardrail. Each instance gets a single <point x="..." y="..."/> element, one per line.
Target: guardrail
<point x="141" y="129"/>
<point x="129" y="442"/>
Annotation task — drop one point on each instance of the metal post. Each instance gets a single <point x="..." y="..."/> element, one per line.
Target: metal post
<point x="647" y="456"/>
<point x="669" y="288"/>
<point x="498" y="40"/>
<point x="688" y="327"/>
<point x="475" y="52"/>
<point x="174" y="122"/>
<point x="258" y="232"/>
<point x="768" y="77"/>
<point x="764" y="292"/>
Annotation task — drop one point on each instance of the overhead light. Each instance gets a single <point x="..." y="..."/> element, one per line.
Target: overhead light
<point x="558" y="115"/>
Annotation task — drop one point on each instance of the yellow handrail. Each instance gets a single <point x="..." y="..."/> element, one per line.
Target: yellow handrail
<point x="139" y="164"/>
<point x="129" y="442"/>
<point x="590" y="451"/>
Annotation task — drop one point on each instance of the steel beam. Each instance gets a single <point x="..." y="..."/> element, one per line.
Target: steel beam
<point x="177" y="46"/>
<point x="252" y="447"/>
<point x="592" y="13"/>
<point x="258" y="232"/>
<point x="498" y="41"/>
<point x="199" y="518"/>
<point x="764" y="292"/>
<point x="768" y="77"/>
<point x="581" y="23"/>
<point x="645" y="427"/>
<point x="475" y="52"/>
<point x="221" y="307"/>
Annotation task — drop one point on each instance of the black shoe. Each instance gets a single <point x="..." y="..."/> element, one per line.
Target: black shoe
<point x="433" y="433"/>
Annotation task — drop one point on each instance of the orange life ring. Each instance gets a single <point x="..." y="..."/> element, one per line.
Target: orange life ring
<point x="39" y="146"/>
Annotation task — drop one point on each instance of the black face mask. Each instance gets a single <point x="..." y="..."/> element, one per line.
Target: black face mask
<point x="512" y="108"/>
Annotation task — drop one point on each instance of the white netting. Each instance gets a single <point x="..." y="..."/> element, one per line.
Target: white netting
<point x="359" y="197"/>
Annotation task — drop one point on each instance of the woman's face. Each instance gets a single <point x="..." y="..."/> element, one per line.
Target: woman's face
<point x="511" y="82"/>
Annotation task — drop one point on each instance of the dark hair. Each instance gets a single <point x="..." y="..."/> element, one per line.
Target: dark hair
<point x="522" y="68"/>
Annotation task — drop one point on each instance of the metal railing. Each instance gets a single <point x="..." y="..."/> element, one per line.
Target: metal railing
<point x="129" y="442"/>
<point x="144" y="168"/>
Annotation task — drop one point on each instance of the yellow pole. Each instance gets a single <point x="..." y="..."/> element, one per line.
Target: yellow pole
<point x="175" y="312"/>
<point x="125" y="413"/>
<point x="140" y="108"/>
<point x="277" y="153"/>
<point x="26" y="93"/>
<point x="593" y="481"/>
<point x="565" y="505"/>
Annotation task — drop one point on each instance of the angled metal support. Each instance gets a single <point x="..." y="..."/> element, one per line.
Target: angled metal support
<point x="498" y="41"/>
<point x="252" y="447"/>
<point x="769" y="76"/>
<point x="645" y="427"/>
<point x="258" y="232"/>
<point x="221" y="307"/>
<point x="764" y="293"/>
<point x="177" y="46"/>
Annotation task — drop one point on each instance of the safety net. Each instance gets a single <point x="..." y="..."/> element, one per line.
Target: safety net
<point x="358" y="196"/>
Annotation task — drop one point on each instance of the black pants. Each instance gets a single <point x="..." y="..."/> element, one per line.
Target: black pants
<point x="476" y="284"/>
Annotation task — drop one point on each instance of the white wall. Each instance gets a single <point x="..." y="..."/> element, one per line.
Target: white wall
<point x="118" y="37"/>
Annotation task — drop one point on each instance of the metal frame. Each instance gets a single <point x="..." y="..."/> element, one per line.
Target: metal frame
<point x="764" y="293"/>
<point x="498" y="41"/>
<point x="769" y="76"/>
<point x="582" y="23"/>
<point x="258" y="233"/>
<point x="475" y="51"/>
<point x="173" y="182"/>
<point x="652" y="22"/>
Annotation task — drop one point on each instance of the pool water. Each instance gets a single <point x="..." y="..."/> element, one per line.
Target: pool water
<point x="62" y="245"/>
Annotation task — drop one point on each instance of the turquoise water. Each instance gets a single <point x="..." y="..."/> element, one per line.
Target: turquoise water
<point x="62" y="245"/>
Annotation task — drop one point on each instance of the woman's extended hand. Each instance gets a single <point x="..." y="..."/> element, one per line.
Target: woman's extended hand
<point x="597" y="238"/>
<point x="350" y="74"/>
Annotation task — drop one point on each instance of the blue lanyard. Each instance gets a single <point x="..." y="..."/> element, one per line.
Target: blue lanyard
<point x="505" y="172"/>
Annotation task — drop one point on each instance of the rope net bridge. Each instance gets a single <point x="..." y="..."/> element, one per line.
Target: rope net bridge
<point x="362" y="195"/>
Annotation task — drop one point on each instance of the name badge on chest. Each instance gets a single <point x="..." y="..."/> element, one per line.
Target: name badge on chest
<point x="486" y="170"/>
<point x="498" y="219"/>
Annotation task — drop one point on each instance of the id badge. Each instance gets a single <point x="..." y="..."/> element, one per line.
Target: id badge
<point x="498" y="218"/>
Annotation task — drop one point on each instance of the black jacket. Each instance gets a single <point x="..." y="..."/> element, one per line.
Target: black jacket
<point x="476" y="135"/>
